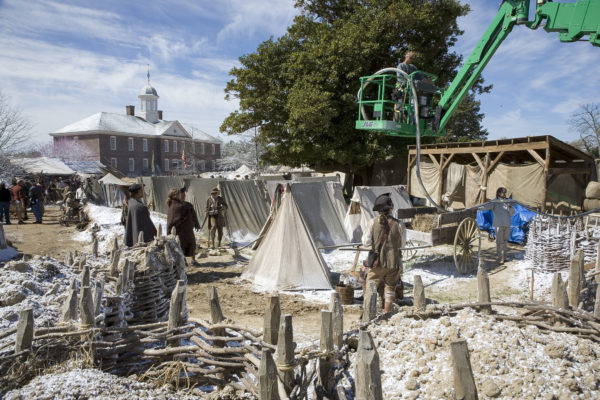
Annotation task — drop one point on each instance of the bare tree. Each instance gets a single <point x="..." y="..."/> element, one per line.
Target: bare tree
<point x="587" y="123"/>
<point x="66" y="150"/>
<point x="14" y="127"/>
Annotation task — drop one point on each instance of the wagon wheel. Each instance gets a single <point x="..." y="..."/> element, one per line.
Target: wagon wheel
<point x="408" y="255"/>
<point x="467" y="244"/>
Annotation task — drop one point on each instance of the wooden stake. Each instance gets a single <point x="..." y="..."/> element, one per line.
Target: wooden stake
<point x="25" y="326"/>
<point x="159" y="234"/>
<point x="86" y="308"/>
<point x="69" y="307"/>
<point x="337" y="312"/>
<point x="98" y="292"/>
<point x="285" y="352"/>
<point x="575" y="277"/>
<point x="114" y="263"/>
<point x="271" y="322"/>
<point x="367" y="374"/>
<point x="95" y="247"/>
<point x="3" y="244"/>
<point x="85" y="275"/>
<point x="419" y="299"/>
<point x="325" y="372"/>
<point x="483" y="290"/>
<point x="141" y="237"/>
<point x="559" y="292"/>
<point x="177" y="309"/>
<point x="531" y="292"/>
<point x="464" y="383"/>
<point x="369" y="302"/>
<point x="267" y="377"/>
<point x="216" y="315"/>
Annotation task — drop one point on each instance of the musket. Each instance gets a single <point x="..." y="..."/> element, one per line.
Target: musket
<point x="204" y="221"/>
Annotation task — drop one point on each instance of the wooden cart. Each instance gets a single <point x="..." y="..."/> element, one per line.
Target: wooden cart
<point x="458" y="227"/>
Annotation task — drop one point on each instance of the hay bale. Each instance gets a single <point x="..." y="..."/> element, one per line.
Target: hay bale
<point x="424" y="222"/>
<point x="591" y="204"/>
<point x="592" y="191"/>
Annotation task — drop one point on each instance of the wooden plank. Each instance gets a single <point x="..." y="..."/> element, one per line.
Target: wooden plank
<point x="406" y="213"/>
<point x="537" y="157"/>
<point x="418" y="236"/>
<point x="570" y="171"/>
<point x="482" y="149"/>
<point x="455" y="216"/>
<point x="443" y="235"/>
<point x="480" y="163"/>
<point x="435" y="161"/>
<point x="445" y="164"/>
<point x="495" y="161"/>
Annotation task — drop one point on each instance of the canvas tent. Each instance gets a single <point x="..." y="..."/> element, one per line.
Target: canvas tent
<point x="113" y="196"/>
<point x="288" y="258"/>
<point x="43" y="165"/>
<point x="361" y="211"/>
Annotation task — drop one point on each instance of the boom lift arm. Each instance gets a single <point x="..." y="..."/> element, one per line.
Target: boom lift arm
<point x="572" y="21"/>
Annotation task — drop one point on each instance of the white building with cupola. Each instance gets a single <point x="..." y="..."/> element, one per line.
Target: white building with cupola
<point x="143" y="144"/>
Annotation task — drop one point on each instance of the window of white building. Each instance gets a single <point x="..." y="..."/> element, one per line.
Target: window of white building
<point x="193" y="148"/>
<point x="202" y="148"/>
<point x="167" y="165"/>
<point x="145" y="144"/>
<point x="130" y="143"/>
<point x="202" y="165"/>
<point x="213" y="165"/>
<point x="113" y="162"/>
<point x="145" y="164"/>
<point x="131" y="165"/>
<point x="166" y="146"/>
<point x="174" y="146"/>
<point x="212" y="149"/>
<point x="113" y="142"/>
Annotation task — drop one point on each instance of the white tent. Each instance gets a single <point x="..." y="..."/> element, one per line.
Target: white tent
<point x="110" y="179"/>
<point x="361" y="211"/>
<point x="43" y="165"/>
<point x="288" y="258"/>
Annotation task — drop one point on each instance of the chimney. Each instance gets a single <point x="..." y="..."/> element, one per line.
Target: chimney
<point x="160" y="114"/>
<point x="130" y="110"/>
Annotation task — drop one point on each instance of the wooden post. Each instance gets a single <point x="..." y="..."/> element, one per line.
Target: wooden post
<point x="369" y="302"/>
<point x="267" y="377"/>
<point x="95" y="247"/>
<point x="81" y="264"/>
<point x="98" y="292"/>
<point x="531" y="292"/>
<point x="337" y="312"/>
<point x="69" y="307"/>
<point x="367" y="374"/>
<point x="464" y="383"/>
<point x="575" y="279"/>
<point x="597" y="304"/>
<point x="483" y="290"/>
<point x="216" y="315"/>
<point x="559" y="292"/>
<point x="271" y="322"/>
<point x="115" y="244"/>
<point x="159" y="233"/>
<point x="419" y="300"/>
<point x="86" y="308"/>
<point x="176" y="309"/>
<point x="598" y="262"/>
<point x="285" y="352"/>
<point x="123" y="278"/>
<point x="325" y="374"/>
<point x="141" y="237"/>
<point x="69" y="259"/>
<point x="24" y="337"/>
<point x="85" y="276"/>
<point x="114" y="263"/>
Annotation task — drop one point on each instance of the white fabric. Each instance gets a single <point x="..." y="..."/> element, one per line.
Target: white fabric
<point x="355" y="223"/>
<point x="110" y="179"/>
<point x="45" y="165"/>
<point x="288" y="258"/>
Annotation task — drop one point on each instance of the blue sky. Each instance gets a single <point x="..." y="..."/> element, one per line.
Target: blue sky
<point x="62" y="61"/>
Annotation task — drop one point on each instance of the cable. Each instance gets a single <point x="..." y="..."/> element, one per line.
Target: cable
<point x="418" y="147"/>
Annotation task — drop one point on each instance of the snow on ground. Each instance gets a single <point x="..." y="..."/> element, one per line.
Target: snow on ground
<point x="91" y="384"/>
<point x="41" y="283"/>
<point x="109" y="221"/>
<point x="508" y="361"/>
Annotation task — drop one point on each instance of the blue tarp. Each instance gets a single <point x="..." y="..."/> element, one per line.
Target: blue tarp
<point x="518" y="222"/>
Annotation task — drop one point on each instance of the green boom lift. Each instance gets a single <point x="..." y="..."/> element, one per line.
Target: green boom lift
<point x="386" y="101"/>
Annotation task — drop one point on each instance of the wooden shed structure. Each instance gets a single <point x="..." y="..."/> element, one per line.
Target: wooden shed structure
<point x="540" y="171"/>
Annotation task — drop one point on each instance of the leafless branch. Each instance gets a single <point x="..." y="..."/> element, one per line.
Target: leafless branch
<point x="14" y="127"/>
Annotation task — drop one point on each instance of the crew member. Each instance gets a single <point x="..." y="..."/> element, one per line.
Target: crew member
<point x="138" y="218"/>
<point x="503" y="209"/>
<point x="215" y="211"/>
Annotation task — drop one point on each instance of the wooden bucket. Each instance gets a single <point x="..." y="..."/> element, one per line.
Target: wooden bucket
<point x="346" y="293"/>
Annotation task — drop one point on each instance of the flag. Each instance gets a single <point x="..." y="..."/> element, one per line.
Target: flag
<point x="153" y="166"/>
<point x="183" y="158"/>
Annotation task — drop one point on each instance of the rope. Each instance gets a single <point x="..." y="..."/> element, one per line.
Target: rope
<point x="418" y="160"/>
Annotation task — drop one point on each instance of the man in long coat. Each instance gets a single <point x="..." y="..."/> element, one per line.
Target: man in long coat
<point x="138" y="218"/>
<point x="215" y="211"/>
<point x="182" y="216"/>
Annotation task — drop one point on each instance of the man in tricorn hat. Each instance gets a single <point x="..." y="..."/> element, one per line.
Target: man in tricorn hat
<point x="215" y="211"/>
<point x="138" y="218"/>
<point x="385" y="235"/>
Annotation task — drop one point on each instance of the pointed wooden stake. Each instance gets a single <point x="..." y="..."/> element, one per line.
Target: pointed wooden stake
<point x="367" y="373"/>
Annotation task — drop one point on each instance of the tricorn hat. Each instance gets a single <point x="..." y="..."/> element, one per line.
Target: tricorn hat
<point x="383" y="202"/>
<point x="215" y="190"/>
<point x="135" y="187"/>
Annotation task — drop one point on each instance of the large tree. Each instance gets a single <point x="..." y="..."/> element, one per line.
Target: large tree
<point x="301" y="88"/>
<point x="14" y="127"/>
<point x="586" y="122"/>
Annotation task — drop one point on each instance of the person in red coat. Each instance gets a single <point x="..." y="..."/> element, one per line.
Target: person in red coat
<point x="182" y="216"/>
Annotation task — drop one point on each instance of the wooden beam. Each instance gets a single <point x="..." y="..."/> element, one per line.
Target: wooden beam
<point x="479" y="162"/>
<point x="495" y="161"/>
<point x="570" y="171"/>
<point x="483" y="149"/>
<point x="447" y="161"/>
<point x="435" y="161"/>
<point x="537" y="157"/>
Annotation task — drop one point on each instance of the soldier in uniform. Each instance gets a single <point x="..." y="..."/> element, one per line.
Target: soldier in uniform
<point x="385" y="235"/>
<point x="215" y="212"/>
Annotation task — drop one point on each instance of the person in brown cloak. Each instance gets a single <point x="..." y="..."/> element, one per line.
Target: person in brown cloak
<point x="138" y="218"/>
<point x="182" y="216"/>
<point x="215" y="211"/>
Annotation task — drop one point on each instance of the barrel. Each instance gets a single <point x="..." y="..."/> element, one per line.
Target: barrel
<point x="346" y="293"/>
